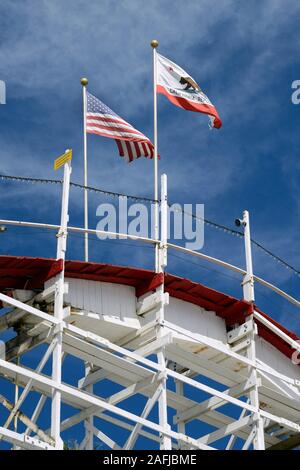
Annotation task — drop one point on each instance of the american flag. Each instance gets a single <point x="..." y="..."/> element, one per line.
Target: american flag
<point x="101" y="120"/>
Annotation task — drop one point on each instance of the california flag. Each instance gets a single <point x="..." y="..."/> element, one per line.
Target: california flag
<point x="182" y="90"/>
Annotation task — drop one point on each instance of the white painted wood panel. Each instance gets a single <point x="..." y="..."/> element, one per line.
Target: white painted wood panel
<point x="104" y="298"/>
<point x="267" y="353"/>
<point x="112" y="310"/>
<point x="196" y="319"/>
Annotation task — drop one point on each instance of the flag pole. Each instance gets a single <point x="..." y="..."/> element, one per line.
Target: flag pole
<point x="154" y="45"/>
<point x="84" y="82"/>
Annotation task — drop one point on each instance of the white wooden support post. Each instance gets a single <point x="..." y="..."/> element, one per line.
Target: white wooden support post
<point x="180" y="424"/>
<point x="58" y="310"/>
<point x="248" y="281"/>
<point x="165" y="441"/>
<point x="89" y="422"/>
<point x="258" y="424"/>
<point x="16" y="400"/>
<point x="248" y="291"/>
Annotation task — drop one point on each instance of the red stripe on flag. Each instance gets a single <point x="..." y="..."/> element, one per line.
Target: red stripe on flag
<point x="137" y="149"/>
<point x="151" y="150"/>
<point x="190" y="106"/>
<point x="115" y="129"/>
<point x="110" y="136"/>
<point x="120" y="147"/>
<point x="121" y="127"/>
<point x="130" y="154"/>
<point x="144" y="148"/>
<point x="102" y="117"/>
<point x="148" y="150"/>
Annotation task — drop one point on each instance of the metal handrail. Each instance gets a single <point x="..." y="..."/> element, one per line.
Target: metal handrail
<point x="152" y="241"/>
<point x="236" y="269"/>
<point x="20" y="223"/>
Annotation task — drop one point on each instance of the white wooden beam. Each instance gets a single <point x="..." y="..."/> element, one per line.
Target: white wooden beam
<point x="23" y="441"/>
<point x="231" y="428"/>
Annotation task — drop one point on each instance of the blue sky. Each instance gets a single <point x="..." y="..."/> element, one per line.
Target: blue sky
<point x="244" y="55"/>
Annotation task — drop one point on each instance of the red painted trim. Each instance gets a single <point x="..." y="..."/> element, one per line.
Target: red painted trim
<point x="31" y="273"/>
<point x="236" y="313"/>
<point x="150" y="285"/>
<point x="55" y="269"/>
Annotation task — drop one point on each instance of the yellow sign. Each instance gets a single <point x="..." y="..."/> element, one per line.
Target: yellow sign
<point x="64" y="158"/>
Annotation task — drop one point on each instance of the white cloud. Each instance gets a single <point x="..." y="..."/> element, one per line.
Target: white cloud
<point x="235" y="50"/>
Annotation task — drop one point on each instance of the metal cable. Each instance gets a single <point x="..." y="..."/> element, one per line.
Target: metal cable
<point x="207" y="222"/>
<point x="241" y="234"/>
<point x="26" y="179"/>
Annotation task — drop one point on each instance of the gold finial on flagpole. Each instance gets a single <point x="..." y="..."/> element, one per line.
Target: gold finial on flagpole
<point x="154" y="43"/>
<point x="84" y="81"/>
